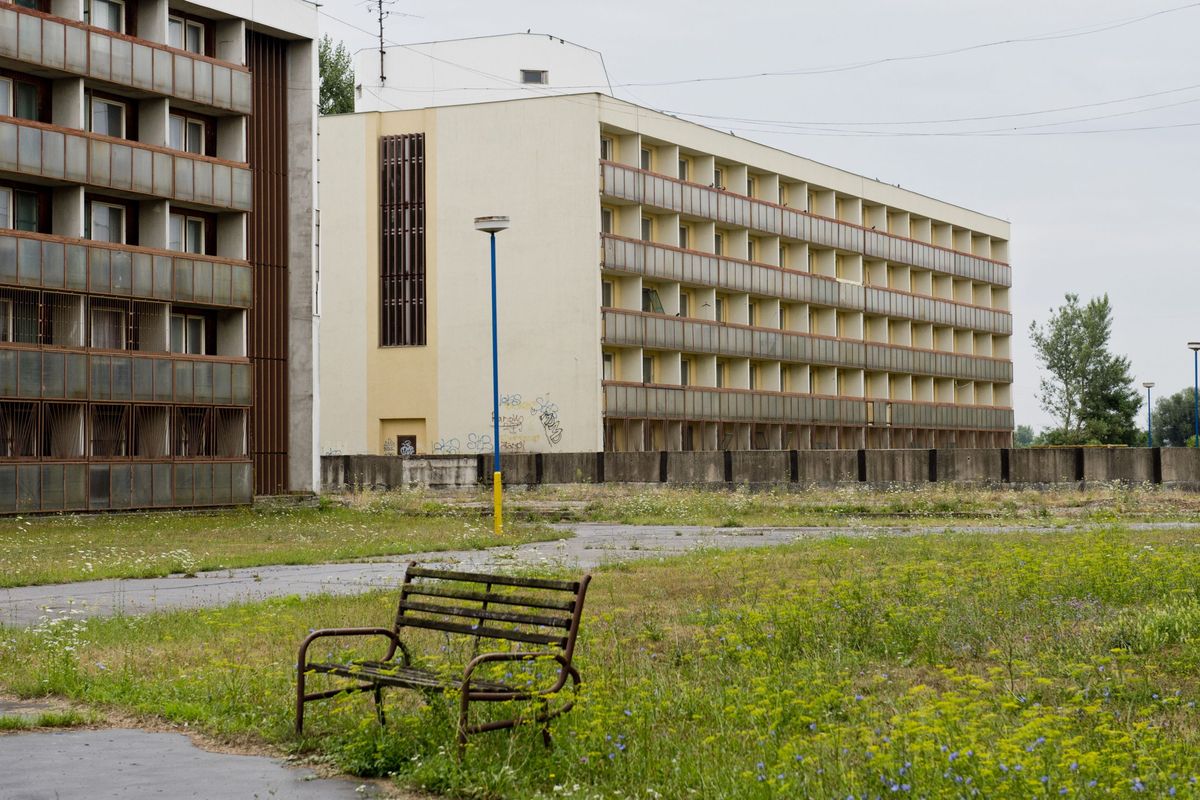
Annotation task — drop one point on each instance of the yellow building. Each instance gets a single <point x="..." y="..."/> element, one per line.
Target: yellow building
<point x="663" y="286"/>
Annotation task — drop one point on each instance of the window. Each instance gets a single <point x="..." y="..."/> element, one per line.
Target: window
<point x="608" y="367"/>
<point x="719" y="178"/>
<point x="751" y="250"/>
<point x="187" y="334"/>
<point x="108" y="328"/>
<point x="685" y="304"/>
<point x="606" y="220"/>
<point x="783" y="194"/>
<point x="751" y="185"/>
<point x="648" y="369"/>
<point x="6" y="207"/>
<point x="754" y="376"/>
<point x="812" y="201"/>
<point x="685" y="372"/>
<point x="6" y="320"/>
<point x="107" y="117"/>
<point x="25" y="211"/>
<point x="647" y="229"/>
<point x="753" y="312"/>
<point x="186" y="234"/>
<point x="607" y="151"/>
<point x="606" y="294"/>
<point x="19" y="99"/>
<point x="186" y="134"/>
<point x="107" y="14"/>
<point x="105" y="223"/>
<point x="185" y="34"/>
<point x="785" y="255"/>
<point x="719" y="310"/>
<point x="719" y="244"/>
<point x="684" y="236"/>
<point x="721" y="374"/>
<point x="685" y="169"/>
<point x="651" y="302"/>
<point x="537" y="76"/>
<point x="647" y="159"/>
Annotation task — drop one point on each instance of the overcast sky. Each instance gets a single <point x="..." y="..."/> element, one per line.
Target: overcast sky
<point x="1091" y="213"/>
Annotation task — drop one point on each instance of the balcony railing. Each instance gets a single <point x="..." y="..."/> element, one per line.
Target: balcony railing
<point x="663" y="262"/>
<point x="80" y="265"/>
<point x="65" y="154"/>
<point x="28" y="373"/>
<point x="74" y="48"/>
<point x="95" y="487"/>
<point x="669" y="194"/>
<point x="631" y="400"/>
<point x="658" y="332"/>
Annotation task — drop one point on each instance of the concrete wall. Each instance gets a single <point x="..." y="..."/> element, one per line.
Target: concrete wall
<point x="1072" y="466"/>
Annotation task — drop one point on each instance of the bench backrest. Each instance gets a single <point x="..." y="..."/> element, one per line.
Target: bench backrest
<point x="528" y="610"/>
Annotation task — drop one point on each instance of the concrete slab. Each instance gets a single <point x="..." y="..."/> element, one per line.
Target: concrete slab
<point x="133" y="765"/>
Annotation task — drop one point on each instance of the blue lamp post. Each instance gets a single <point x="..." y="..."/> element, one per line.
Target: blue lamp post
<point x="1195" y="348"/>
<point x="491" y="226"/>
<point x="1149" y="435"/>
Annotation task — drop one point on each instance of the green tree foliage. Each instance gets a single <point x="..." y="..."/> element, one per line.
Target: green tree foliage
<point x="1087" y="388"/>
<point x="1023" y="436"/>
<point x="337" y="78"/>
<point x="1174" y="419"/>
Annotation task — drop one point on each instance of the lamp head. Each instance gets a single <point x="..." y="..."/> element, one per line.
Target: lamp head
<point x="1194" y="346"/>
<point x="495" y="224"/>
<point x="1148" y="385"/>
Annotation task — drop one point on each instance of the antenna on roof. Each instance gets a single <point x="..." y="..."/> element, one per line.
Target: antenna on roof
<point x="380" y="7"/>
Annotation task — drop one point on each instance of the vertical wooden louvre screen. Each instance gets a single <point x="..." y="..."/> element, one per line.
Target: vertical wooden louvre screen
<point x="402" y="245"/>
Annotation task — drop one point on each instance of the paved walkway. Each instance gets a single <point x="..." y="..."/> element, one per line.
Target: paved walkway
<point x="591" y="546"/>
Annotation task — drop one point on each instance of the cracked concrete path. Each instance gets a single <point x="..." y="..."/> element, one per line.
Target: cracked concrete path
<point x="122" y="764"/>
<point x="593" y="544"/>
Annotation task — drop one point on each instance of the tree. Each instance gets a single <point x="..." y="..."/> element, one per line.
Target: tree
<point x="1174" y="419"/>
<point x="1023" y="436"/>
<point x="337" y="78"/>
<point x="1087" y="388"/>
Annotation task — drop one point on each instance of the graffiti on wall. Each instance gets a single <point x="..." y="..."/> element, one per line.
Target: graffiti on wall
<point x="526" y="425"/>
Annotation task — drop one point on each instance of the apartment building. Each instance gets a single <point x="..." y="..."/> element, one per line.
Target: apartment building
<point x="663" y="286"/>
<point x="157" y="326"/>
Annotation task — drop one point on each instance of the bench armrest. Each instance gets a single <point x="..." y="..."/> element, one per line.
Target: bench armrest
<point x="387" y="633"/>
<point x="567" y="669"/>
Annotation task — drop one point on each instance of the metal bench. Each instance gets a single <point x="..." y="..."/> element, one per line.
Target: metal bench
<point x="524" y="611"/>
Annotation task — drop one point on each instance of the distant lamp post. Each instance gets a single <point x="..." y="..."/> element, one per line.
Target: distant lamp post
<point x="1195" y="348"/>
<point x="1148" y="385"/>
<point x="491" y="226"/>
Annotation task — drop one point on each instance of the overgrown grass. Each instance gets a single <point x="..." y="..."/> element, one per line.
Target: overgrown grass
<point x="1015" y="665"/>
<point x="930" y="505"/>
<point x="47" y="719"/>
<point x="39" y="550"/>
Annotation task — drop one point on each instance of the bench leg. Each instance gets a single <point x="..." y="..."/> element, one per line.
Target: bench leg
<point x="300" y="703"/>
<point x="544" y="715"/>
<point x="464" y="702"/>
<point x="379" y="707"/>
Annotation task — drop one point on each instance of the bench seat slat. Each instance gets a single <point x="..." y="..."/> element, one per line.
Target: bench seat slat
<point x="482" y="630"/>
<point x="482" y="613"/>
<point x="408" y="677"/>
<point x="499" y="580"/>
<point x="489" y="597"/>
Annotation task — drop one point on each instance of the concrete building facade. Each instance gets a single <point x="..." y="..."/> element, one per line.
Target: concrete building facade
<point x="664" y="286"/>
<point x="157" y="252"/>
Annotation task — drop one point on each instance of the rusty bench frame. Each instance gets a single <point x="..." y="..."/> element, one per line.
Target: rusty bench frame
<point x="375" y="676"/>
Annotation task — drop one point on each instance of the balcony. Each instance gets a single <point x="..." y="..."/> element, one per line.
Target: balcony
<point x="29" y="373"/>
<point x="53" y="262"/>
<point x="640" y="329"/>
<point x="634" y="400"/>
<point x="663" y="262"/>
<point x="87" y="52"/>
<point x="37" y="150"/>
<point x="97" y="487"/>
<point x="669" y="194"/>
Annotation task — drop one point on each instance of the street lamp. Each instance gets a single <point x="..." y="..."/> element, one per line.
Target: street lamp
<point x="1148" y="385"/>
<point x="1195" y="348"/>
<point x="491" y="226"/>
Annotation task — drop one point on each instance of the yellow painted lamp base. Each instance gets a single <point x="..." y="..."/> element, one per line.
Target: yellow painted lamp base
<point x="497" y="504"/>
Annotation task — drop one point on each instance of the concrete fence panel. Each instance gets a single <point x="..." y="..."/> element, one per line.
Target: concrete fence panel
<point x="826" y="467"/>
<point x="1181" y="467"/>
<point x="983" y="466"/>
<point x="517" y="469"/>
<point x="1039" y="467"/>
<point x="897" y="466"/>
<point x="705" y="467"/>
<point x="1124" y="464"/>
<point x="756" y="467"/>
<point x="570" y="468"/>
<point x="632" y="467"/>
